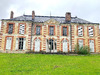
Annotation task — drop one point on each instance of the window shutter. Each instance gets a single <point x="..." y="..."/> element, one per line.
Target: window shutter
<point x="90" y="31"/>
<point x="22" y="27"/>
<point x="24" y="44"/>
<point x="8" y="43"/>
<point x="80" y="31"/>
<point x="80" y="43"/>
<point x="17" y="43"/>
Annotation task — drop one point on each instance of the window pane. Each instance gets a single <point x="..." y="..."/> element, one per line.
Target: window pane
<point x="64" y="31"/>
<point x="37" y="30"/>
<point x="10" y="31"/>
<point x="51" y="31"/>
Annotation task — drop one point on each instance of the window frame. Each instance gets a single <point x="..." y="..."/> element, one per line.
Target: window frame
<point x="7" y="29"/>
<point x="67" y="29"/>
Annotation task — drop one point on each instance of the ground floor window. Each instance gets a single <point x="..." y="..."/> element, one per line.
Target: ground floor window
<point x="20" y="43"/>
<point x="80" y="42"/>
<point x="21" y="40"/>
<point x="50" y="44"/>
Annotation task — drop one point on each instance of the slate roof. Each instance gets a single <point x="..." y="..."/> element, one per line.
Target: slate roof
<point x="45" y="18"/>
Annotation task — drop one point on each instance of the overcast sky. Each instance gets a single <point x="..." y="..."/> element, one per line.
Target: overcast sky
<point x="85" y="9"/>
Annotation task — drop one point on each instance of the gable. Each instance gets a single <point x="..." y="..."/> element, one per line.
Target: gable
<point x="51" y="22"/>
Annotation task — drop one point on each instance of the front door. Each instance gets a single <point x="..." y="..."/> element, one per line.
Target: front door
<point x="65" y="47"/>
<point x="8" y="43"/>
<point x="91" y="45"/>
<point x="37" y="45"/>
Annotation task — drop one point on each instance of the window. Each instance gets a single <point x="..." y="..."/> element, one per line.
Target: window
<point x="80" y="43"/>
<point x="50" y="44"/>
<point x="22" y="28"/>
<point x="10" y="30"/>
<point x="80" y="31"/>
<point x="37" y="30"/>
<point x="64" y="31"/>
<point x="90" y="31"/>
<point x="20" y="43"/>
<point x="51" y="31"/>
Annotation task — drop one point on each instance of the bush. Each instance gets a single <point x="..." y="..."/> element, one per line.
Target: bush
<point x="82" y="50"/>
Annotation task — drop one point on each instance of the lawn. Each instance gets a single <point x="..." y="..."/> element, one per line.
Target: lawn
<point x="42" y="64"/>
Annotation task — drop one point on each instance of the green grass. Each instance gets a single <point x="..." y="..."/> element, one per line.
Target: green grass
<point x="41" y="64"/>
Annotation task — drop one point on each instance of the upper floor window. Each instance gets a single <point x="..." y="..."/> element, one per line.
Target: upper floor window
<point x="51" y="31"/>
<point x="80" y="31"/>
<point x="64" y="31"/>
<point x="37" y="30"/>
<point x="90" y="29"/>
<point x="10" y="30"/>
<point x="22" y="28"/>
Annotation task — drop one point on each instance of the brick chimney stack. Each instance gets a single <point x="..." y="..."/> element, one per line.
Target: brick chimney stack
<point x="11" y="14"/>
<point x="68" y="16"/>
<point x="33" y="15"/>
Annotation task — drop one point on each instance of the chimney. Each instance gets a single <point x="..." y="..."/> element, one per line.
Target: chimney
<point x="33" y="15"/>
<point x="68" y="16"/>
<point x="11" y="14"/>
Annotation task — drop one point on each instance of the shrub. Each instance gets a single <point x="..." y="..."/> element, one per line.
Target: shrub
<point x="82" y="50"/>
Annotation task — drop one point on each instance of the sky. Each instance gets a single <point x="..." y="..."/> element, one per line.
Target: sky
<point x="85" y="9"/>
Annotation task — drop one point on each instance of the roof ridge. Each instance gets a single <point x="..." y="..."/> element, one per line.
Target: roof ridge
<point x="45" y="16"/>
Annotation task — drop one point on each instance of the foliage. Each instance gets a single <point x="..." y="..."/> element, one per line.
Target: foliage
<point x="49" y="64"/>
<point x="82" y="50"/>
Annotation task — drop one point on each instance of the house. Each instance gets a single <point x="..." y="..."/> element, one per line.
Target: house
<point x="48" y="33"/>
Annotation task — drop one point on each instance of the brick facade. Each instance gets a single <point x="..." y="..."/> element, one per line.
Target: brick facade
<point x="44" y="36"/>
